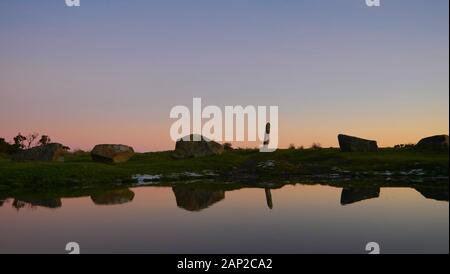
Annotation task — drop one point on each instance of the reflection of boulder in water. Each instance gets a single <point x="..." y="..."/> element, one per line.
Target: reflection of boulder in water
<point x="113" y="197"/>
<point x="353" y="195"/>
<point x="1" y="202"/>
<point x="194" y="199"/>
<point x="48" y="203"/>
<point x="435" y="193"/>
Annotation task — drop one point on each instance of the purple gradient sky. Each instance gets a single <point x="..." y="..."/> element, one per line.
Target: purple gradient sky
<point x="110" y="71"/>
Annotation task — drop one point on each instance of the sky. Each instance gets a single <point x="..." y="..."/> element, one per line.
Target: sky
<point x="110" y="71"/>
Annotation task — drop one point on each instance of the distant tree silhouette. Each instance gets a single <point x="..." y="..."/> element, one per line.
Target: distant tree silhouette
<point x="44" y="140"/>
<point x="31" y="138"/>
<point x="19" y="141"/>
<point x="404" y="146"/>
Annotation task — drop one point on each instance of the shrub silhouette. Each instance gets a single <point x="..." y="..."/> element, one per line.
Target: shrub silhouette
<point x="227" y="146"/>
<point x="316" y="146"/>
<point x="7" y="148"/>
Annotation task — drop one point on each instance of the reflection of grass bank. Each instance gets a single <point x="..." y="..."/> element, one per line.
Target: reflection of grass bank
<point x="80" y="170"/>
<point x="116" y="194"/>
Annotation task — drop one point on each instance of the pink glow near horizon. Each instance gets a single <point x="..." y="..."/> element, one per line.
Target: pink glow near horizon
<point x="111" y="74"/>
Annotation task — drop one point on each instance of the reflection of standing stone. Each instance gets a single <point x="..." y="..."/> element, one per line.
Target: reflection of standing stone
<point x="269" y="198"/>
<point x="50" y="152"/>
<point x="189" y="149"/>
<point x="194" y="199"/>
<point x="113" y="197"/>
<point x="112" y="153"/>
<point x="434" y="143"/>
<point x="355" y="144"/>
<point x="354" y="195"/>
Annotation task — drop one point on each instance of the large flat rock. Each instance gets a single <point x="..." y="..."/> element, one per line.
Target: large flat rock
<point x="45" y="153"/>
<point x="355" y="144"/>
<point x="107" y="153"/>
<point x="434" y="143"/>
<point x="191" y="149"/>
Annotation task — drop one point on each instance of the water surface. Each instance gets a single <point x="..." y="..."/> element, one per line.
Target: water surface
<point x="188" y="218"/>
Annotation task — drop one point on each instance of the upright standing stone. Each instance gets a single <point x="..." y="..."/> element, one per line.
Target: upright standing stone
<point x="267" y="135"/>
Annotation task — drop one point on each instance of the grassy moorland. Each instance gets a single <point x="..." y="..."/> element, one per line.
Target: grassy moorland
<point x="79" y="170"/>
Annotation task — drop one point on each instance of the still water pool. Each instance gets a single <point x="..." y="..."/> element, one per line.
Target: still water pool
<point x="187" y="218"/>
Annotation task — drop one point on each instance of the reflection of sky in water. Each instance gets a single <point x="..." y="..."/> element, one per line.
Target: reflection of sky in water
<point x="304" y="219"/>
